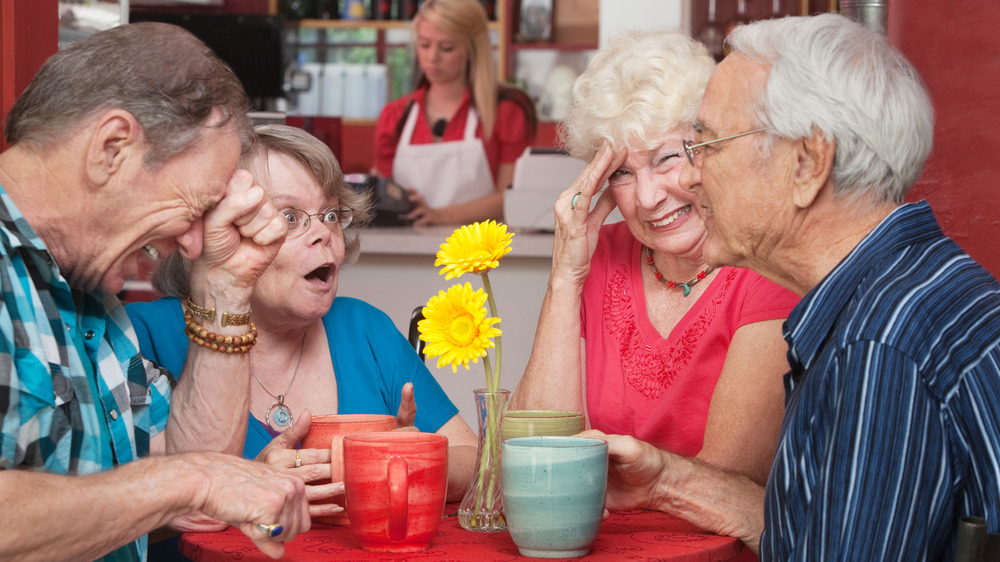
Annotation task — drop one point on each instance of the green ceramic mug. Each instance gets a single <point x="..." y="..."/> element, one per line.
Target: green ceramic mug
<point x="529" y="423"/>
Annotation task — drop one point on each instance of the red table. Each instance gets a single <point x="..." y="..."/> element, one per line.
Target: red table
<point x="629" y="535"/>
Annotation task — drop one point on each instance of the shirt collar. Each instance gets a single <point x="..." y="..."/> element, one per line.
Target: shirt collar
<point x="811" y="321"/>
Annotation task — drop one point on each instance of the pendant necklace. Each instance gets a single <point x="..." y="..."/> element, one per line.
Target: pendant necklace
<point x="279" y="414"/>
<point x="685" y="287"/>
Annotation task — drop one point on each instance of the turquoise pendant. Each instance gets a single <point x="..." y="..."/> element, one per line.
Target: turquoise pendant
<point x="686" y="288"/>
<point x="278" y="416"/>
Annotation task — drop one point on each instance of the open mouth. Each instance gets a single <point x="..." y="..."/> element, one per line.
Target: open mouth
<point x="671" y="218"/>
<point x="321" y="274"/>
<point x="151" y="252"/>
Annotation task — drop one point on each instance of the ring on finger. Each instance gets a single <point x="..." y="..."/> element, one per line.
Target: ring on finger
<point x="572" y="202"/>
<point x="298" y="459"/>
<point x="271" y="530"/>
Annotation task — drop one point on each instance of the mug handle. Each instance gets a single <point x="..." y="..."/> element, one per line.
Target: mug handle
<point x="398" y="479"/>
<point x="337" y="458"/>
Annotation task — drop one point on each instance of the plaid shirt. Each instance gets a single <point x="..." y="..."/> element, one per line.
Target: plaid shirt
<point x="75" y="395"/>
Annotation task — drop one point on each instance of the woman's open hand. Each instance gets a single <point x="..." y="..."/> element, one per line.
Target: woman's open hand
<point x="311" y="465"/>
<point x="577" y="225"/>
<point x="407" y="409"/>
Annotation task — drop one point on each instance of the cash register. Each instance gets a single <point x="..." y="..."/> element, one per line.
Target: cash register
<point x="540" y="175"/>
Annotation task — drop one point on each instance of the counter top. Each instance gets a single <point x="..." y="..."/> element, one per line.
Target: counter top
<point x="427" y="240"/>
<point x="395" y="272"/>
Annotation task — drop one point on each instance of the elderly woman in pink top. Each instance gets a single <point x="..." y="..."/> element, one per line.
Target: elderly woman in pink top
<point x="636" y="329"/>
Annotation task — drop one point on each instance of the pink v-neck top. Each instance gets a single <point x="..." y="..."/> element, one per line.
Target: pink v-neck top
<point x="659" y="389"/>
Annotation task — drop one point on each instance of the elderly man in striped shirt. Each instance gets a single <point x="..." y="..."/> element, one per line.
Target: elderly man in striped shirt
<point x="809" y="137"/>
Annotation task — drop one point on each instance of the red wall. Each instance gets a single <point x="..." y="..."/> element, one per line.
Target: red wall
<point x="954" y="45"/>
<point x="23" y="47"/>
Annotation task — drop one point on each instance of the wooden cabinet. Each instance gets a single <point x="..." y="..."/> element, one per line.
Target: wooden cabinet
<point x="542" y="66"/>
<point x="381" y="26"/>
<point x="573" y="30"/>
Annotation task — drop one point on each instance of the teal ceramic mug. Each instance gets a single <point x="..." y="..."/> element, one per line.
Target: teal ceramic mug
<point x="553" y="493"/>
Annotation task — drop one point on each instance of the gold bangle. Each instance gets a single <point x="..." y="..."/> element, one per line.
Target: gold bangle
<point x="227" y="318"/>
<point x="236" y="319"/>
<point x="206" y="313"/>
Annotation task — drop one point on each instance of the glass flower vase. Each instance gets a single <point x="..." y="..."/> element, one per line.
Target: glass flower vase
<point x="482" y="507"/>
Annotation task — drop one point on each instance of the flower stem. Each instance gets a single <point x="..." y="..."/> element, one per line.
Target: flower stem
<point x="489" y="379"/>
<point x="493" y="383"/>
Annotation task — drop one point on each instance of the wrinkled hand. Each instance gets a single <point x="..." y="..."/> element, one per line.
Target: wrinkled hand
<point x="313" y="469"/>
<point x="407" y="409"/>
<point x="243" y="233"/>
<point x="422" y="214"/>
<point x="197" y="522"/>
<point x="577" y="230"/>
<point x="634" y="470"/>
<point x="245" y="493"/>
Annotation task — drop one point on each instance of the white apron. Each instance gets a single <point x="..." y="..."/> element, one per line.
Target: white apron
<point x="445" y="173"/>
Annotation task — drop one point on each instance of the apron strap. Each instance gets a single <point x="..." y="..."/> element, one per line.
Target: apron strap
<point x="470" y="124"/>
<point x="411" y="124"/>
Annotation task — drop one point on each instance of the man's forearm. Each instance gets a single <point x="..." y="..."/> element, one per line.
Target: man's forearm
<point x="713" y="499"/>
<point x="42" y="512"/>
<point x="210" y="404"/>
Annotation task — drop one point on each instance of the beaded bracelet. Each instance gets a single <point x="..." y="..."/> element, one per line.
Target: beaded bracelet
<point x="227" y="318"/>
<point x="217" y="342"/>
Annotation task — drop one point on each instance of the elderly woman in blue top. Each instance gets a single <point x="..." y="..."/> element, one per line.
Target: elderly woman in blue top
<point x="316" y="352"/>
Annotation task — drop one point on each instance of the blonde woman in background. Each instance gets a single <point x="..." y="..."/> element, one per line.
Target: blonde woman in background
<point x="453" y="142"/>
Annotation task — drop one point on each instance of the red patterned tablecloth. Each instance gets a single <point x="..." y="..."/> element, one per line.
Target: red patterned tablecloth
<point x="628" y="535"/>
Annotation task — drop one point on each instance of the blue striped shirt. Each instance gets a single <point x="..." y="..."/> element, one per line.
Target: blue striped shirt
<point x="892" y="424"/>
<point x="75" y="395"/>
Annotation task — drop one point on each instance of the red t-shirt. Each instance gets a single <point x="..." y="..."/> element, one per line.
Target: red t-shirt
<point x="641" y="384"/>
<point x="509" y="139"/>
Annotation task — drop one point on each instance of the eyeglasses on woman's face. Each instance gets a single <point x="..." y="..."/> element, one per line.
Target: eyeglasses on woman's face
<point x="334" y="219"/>
<point x="691" y="149"/>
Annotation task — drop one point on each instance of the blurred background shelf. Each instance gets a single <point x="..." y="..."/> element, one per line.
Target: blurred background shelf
<point x="552" y="46"/>
<point x="366" y="24"/>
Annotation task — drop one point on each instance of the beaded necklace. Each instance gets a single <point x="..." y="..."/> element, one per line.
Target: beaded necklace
<point x="685" y="287"/>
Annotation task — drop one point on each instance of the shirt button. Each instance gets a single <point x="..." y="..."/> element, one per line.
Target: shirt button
<point x="114" y="415"/>
<point x="89" y="334"/>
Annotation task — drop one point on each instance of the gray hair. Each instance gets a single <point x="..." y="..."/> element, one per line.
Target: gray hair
<point x="635" y="90"/>
<point x="832" y="74"/>
<point x="172" y="276"/>
<point x="161" y="74"/>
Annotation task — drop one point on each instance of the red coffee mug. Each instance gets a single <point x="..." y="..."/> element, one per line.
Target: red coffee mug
<point x="396" y="484"/>
<point x="328" y="431"/>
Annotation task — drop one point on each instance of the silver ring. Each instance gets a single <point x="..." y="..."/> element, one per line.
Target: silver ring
<point x="270" y="530"/>
<point x="572" y="202"/>
<point x="298" y="459"/>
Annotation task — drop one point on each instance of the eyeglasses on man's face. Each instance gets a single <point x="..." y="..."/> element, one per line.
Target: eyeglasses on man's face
<point x="334" y="219"/>
<point x="691" y="149"/>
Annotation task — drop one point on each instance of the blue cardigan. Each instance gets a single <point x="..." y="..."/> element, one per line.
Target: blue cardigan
<point x="371" y="361"/>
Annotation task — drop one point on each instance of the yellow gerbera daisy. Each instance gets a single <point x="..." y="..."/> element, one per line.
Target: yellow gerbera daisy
<point x="474" y="248"/>
<point x="456" y="326"/>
